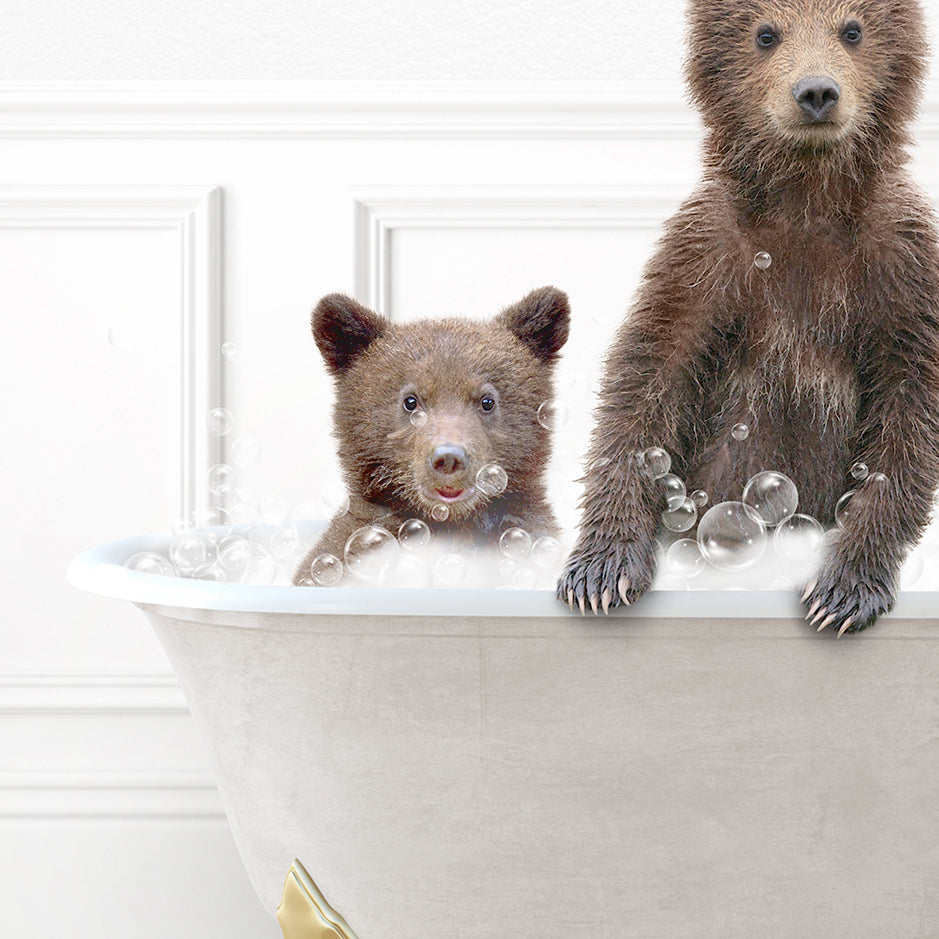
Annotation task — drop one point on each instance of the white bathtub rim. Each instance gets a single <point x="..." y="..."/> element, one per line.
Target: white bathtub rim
<point x="100" y="570"/>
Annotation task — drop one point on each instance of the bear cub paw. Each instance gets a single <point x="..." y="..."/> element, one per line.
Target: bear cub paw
<point x="606" y="573"/>
<point x="846" y="600"/>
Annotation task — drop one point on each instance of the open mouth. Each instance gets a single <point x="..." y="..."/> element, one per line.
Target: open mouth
<point x="452" y="493"/>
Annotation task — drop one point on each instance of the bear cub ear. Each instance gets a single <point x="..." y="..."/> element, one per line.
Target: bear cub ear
<point x="541" y="320"/>
<point x="343" y="330"/>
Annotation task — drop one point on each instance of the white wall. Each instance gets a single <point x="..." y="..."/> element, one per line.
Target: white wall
<point x="140" y="202"/>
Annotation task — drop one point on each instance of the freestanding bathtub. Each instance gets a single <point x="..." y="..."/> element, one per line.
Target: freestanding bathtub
<point x="455" y="764"/>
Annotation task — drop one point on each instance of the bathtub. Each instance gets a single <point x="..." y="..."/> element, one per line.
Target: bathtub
<point x="456" y="764"/>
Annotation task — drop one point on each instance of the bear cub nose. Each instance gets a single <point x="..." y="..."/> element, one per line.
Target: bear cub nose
<point x="817" y="96"/>
<point x="448" y="459"/>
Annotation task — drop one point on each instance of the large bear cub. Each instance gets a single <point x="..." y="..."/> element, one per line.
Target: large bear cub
<point x="827" y="348"/>
<point x="422" y="407"/>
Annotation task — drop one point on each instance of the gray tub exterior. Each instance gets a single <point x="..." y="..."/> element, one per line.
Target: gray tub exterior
<point x="482" y="764"/>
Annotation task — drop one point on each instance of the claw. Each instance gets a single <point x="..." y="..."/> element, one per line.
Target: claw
<point x="808" y="590"/>
<point x="814" y="609"/>
<point x="819" y="615"/>
<point x="846" y="625"/>
<point x="583" y="608"/>
<point x="605" y="601"/>
<point x="828" y="621"/>
<point x="594" y="604"/>
<point x="622" y="586"/>
<point x="570" y="598"/>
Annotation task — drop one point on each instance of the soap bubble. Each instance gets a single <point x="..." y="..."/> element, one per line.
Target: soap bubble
<point x="335" y="500"/>
<point x="413" y="573"/>
<point x="797" y="536"/>
<point x="218" y="475"/>
<point x="272" y="509"/>
<point x="121" y="337"/>
<point x="413" y="534"/>
<point x="234" y="553"/>
<point x="731" y="536"/>
<point x="149" y="562"/>
<point x="231" y="351"/>
<point x="684" y="557"/>
<point x="181" y="524"/>
<point x="286" y="543"/>
<point x="673" y="488"/>
<point x="326" y="570"/>
<point x="440" y="513"/>
<point x="492" y="479"/>
<point x="859" y="471"/>
<point x="451" y="570"/>
<point x="260" y="572"/>
<point x="762" y="260"/>
<point x="211" y="572"/>
<point x="655" y="461"/>
<point x="419" y="418"/>
<point x="371" y="553"/>
<point x="515" y="543"/>
<point x="546" y="552"/>
<point x="305" y="582"/>
<point x="772" y="496"/>
<point x="700" y="498"/>
<point x="219" y="422"/>
<point x="681" y="518"/>
<point x="843" y="508"/>
<point x="740" y="432"/>
<point x="188" y="553"/>
<point x="214" y="517"/>
<point x="876" y="479"/>
<point x="246" y="451"/>
<point x="553" y="414"/>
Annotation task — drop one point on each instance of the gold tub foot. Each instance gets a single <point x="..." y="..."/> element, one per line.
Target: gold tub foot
<point x="304" y="913"/>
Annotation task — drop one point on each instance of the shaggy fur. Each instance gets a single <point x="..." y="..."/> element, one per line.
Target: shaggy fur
<point x="452" y="370"/>
<point x="831" y="355"/>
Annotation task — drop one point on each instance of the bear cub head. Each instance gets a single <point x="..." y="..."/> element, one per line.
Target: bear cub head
<point x="779" y="80"/>
<point x="421" y="407"/>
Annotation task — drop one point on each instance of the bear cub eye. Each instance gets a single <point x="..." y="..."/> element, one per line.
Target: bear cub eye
<point x="851" y="33"/>
<point x="487" y="402"/>
<point x="410" y="402"/>
<point x="766" y="37"/>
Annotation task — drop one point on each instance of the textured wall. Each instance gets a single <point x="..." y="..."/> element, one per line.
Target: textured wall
<point x="303" y="40"/>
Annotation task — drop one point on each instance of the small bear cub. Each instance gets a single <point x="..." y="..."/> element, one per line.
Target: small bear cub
<point x="437" y="423"/>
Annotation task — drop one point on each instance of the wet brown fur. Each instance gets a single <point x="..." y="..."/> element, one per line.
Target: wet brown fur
<point x="449" y="365"/>
<point x="831" y="355"/>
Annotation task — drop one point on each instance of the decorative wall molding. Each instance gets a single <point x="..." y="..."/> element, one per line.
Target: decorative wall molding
<point x="194" y="214"/>
<point x="83" y="693"/>
<point x="344" y="109"/>
<point x="266" y="109"/>
<point x="126" y="795"/>
<point x="96" y="797"/>
<point x="381" y="212"/>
